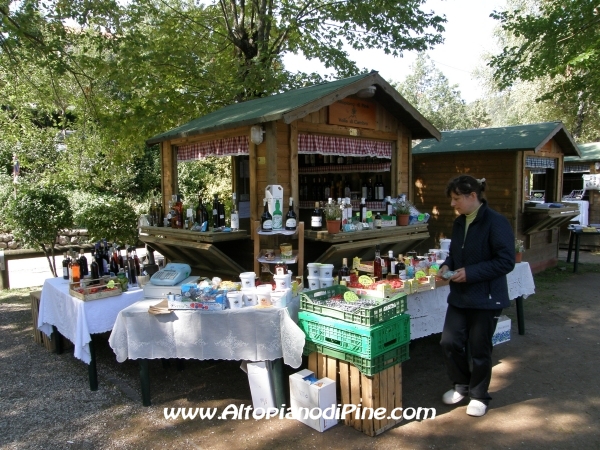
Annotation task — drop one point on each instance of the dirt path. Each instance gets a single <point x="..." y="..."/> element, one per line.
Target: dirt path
<point x="545" y="386"/>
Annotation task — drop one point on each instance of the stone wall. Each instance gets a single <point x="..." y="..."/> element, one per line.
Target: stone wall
<point x="68" y="237"/>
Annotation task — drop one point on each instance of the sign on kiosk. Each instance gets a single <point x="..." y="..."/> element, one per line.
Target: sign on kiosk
<point x="274" y="196"/>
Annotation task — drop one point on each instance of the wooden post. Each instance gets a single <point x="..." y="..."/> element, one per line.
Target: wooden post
<point x="252" y="155"/>
<point x="271" y="143"/>
<point x="168" y="170"/>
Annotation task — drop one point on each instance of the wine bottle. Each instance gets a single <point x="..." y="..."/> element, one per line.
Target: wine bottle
<point x="377" y="263"/>
<point x="235" y="216"/>
<point x="392" y="263"/>
<point x="200" y="211"/>
<point x="83" y="264"/>
<point x="215" y="211"/>
<point x="65" y="266"/>
<point x="221" y="210"/>
<point x="131" y="267"/>
<point x="363" y="209"/>
<point x="114" y="262"/>
<point x="316" y="219"/>
<point x="136" y="261"/>
<point x="290" y="217"/>
<point x="369" y="190"/>
<point x="364" y="190"/>
<point x="266" y="220"/>
<point x="401" y="268"/>
<point x="381" y="188"/>
<point x="389" y="207"/>
<point x="94" y="268"/>
<point x="277" y="216"/>
<point x="344" y="272"/>
<point x="74" y="269"/>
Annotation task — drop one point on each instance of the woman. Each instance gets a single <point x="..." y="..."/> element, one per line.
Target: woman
<point x="482" y="252"/>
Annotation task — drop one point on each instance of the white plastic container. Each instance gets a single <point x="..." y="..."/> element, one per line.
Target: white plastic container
<point x="445" y="244"/>
<point x="236" y="299"/>
<point x="249" y="296"/>
<point x="279" y="298"/>
<point x="282" y="281"/>
<point x="313" y="269"/>
<point x="326" y="271"/>
<point x="247" y="279"/>
<point x="313" y="283"/>
<point x="325" y="282"/>
<point x="263" y="297"/>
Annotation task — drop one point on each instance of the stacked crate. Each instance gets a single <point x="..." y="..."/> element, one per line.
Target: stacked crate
<point x="362" y="350"/>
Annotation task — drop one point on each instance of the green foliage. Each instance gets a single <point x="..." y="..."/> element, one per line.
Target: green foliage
<point x="7" y="190"/>
<point x="109" y="218"/>
<point x="556" y="41"/>
<point x="37" y="215"/>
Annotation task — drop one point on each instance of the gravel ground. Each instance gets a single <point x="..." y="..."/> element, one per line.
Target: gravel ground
<point x="545" y="387"/>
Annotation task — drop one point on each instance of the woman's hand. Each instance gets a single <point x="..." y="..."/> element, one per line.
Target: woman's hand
<point x="440" y="275"/>
<point x="460" y="276"/>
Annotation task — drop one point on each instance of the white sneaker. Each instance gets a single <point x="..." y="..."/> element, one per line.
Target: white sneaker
<point x="476" y="408"/>
<point x="452" y="397"/>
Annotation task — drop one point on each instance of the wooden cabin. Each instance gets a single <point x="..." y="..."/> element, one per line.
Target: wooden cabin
<point x="348" y="129"/>
<point x="523" y="167"/>
<point x="578" y="170"/>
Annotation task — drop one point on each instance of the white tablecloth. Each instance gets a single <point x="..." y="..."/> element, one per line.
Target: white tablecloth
<point x="428" y="309"/>
<point x="78" y="320"/>
<point x="250" y="334"/>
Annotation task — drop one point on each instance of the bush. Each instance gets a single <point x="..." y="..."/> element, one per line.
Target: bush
<point x="110" y="218"/>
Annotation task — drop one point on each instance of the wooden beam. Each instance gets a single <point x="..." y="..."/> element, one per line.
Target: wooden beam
<point x="322" y="128"/>
<point x="213" y="136"/>
<point x="271" y="144"/>
<point x="294" y="177"/>
<point x="252" y="181"/>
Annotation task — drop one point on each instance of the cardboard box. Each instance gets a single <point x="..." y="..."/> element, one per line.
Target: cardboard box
<point x="502" y="333"/>
<point x="308" y="393"/>
<point x="261" y="387"/>
<point x="274" y="192"/>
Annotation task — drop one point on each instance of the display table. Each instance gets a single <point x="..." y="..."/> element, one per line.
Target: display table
<point x="575" y="235"/>
<point x="428" y="309"/>
<point x="77" y="320"/>
<point x="248" y="334"/>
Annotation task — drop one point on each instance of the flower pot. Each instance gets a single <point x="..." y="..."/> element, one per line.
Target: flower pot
<point x="402" y="219"/>
<point x="518" y="257"/>
<point x="333" y="226"/>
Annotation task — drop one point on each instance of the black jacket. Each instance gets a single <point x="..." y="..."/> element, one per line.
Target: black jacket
<point x="487" y="255"/>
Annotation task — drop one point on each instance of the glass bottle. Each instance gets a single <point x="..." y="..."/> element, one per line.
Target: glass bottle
<point x="74" y="269"/>
<point x="401" y="268"/>
<point x="391" y="263"/>
<point x="369" y="190"/>
<point x="344" y="272"/>
<point x="94" y="268"/>
<point x="364" y="189"/>
<point x="114" y="261"/>
<point x="65" y="266"/>
<point x="363" y="209"/>
<point x="316" y="219"/>
<point x="235" y="216"/>
<point x="159" y="214"/>
<point x="131" y="267"/>
<point x="377" y="264"/>
<point x="266" y="220"/>
<point x="215" y="211"/>
<point x="389" y="207"/>
<point x="200" y="212"/>
<point x="277" y="216"/>
<point x="281" y="268"/>
<point x="290" y="218"/>
<point x="377" y="221"/>
<point x="83" y="264"/>
<point x="221" y="209"/>
<point x="136" y="261"/>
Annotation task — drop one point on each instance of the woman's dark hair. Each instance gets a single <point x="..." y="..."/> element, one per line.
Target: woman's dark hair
<point x="464" y="185"/>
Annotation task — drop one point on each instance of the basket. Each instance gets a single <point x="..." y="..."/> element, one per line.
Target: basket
<point x="367" y="366"/>
<point x="387" y="308"/>
<point x="94" y="291"/>
<point x="358" y="340"/>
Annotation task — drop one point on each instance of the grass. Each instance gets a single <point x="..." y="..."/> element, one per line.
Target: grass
<point x="16" y="295"/>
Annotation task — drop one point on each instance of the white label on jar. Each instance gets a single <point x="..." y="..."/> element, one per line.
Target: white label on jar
<point x="267" y="225"/>
<point x="277" y="220"/>
<point x="383" y="269"/>
<point x="290" y="223"/>
<point x="393" y="267"/>
<point x="235" y="221"/>
<point x="377" y="223"/>
<point x="316" y="221"/>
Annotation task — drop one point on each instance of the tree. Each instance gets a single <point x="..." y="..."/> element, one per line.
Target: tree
<point x="557" y="40"/>
<point x="428" y="90"/>
<point x="110" y="218"/>
<point x="37" y="215"/>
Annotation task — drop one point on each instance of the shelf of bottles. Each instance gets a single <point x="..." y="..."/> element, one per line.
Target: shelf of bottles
<point x="346" y="168"/>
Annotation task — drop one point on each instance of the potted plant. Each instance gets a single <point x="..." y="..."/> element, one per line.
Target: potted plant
<point x="402" y="211"/>
<point x="519" y="249"/>
<point x="333" y="217"/>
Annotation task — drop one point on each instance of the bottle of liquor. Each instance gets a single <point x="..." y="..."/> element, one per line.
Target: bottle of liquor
<point x="277" y="216"/>
<point x="266" y="220"/>
<point x="281" y="268"/>
<point x="377" y="264"/>
<point x="181" y="216"/>
<point x="377" y="221"/>
<point x="344" y="272"/>
<point x="114" y="261"/>
<point x="200" y="212"/>
<point x="83" y="264"/>
<point x="159" y="213"/>
<point x="215" y="211"/>
<point x="349" y="212"/>
<point x="221" y="210"/>
<point x="401" y="268"/>
<point x="136" y="261"/>
<point x="389" y="207"/>
<point x="94" y="268"/>
<point x="290" y="218"/>
<point x="65" y="266"/>
<point x="363" y="209"/>
<point x="364" y="189"/>
<point x="392" y="263"/>
<point x="131" y="267"/>
<point x="74" y="269"/>
<point x="384" y="267"/>
<point x="105" y="257"/>
<point x="235" y="216"/>
<point x="370" y="193"/>
<point x="347" y="190"/>
<point x="316" y="219"/>
<point x="381" y="189"/>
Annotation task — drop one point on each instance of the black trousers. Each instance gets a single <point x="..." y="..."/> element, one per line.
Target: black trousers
<point x="474" y="327"/>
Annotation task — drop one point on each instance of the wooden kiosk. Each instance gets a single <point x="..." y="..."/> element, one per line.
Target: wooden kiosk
<point x="345" y="130"/>
<point x="523" y="166"/>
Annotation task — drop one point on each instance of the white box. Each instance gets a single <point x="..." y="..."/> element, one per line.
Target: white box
<point x="502" y="333"/>
<point x="261" y="387"/>
<point x="307" y="392"/>
<point x="274" y="192"/>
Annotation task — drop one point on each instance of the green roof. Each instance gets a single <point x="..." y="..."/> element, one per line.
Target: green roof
<point x="589" y="152"/>
<point x="297" y="103"/>
<point x="513" y="138"/>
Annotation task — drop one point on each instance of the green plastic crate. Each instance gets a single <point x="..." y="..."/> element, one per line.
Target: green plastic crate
<point x="359" y="340"/>
<point x="366" y="366"/>
<point x="385" y="310"/>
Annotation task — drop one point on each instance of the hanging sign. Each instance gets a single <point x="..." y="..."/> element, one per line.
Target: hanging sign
<point x="353" y="112"/>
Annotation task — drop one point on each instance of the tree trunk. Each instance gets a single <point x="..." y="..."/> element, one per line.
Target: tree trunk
<point x="52" y="268"/>
<point x="580" y="116"/>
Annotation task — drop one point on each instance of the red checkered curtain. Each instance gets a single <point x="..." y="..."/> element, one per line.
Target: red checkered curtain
<point x="344" y="146"/>
<point x="234" y="146"/>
